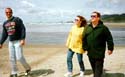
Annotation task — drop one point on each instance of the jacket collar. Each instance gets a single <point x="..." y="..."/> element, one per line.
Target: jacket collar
<point x="99" y="24"/>
<point x="10" y="18"/>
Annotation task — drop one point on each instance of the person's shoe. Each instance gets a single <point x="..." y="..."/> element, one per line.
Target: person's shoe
<point x="81" y="74"/>
<point x="27" y="71"/>
<point x="13" y="75"/>
<point x="68" y="74"/>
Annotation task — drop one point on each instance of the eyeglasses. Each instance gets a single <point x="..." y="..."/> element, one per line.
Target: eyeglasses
<point x="77" y="20"/>
<point x="93" y="16"/>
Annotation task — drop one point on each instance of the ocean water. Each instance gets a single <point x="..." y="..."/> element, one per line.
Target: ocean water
<point x="53" y="33"/>
<point x="56" y="33"/>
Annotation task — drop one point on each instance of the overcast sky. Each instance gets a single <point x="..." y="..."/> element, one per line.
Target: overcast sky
<point x="42" y="10"/>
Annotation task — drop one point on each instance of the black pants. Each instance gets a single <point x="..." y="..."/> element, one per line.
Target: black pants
<point x="97" y="66"/>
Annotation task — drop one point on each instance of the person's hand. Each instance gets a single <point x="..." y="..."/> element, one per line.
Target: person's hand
<point x="0" y="46"/>
<point x="22" y="42"/>
<point x="109" y="52"/>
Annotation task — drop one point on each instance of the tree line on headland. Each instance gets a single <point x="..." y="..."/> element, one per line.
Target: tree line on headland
<point x="114" y="18"/>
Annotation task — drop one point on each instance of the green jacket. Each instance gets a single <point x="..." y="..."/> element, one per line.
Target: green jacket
<point x="95" y="40"/>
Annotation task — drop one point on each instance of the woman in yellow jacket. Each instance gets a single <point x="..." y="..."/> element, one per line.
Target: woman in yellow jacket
<point x="74" y="44"/>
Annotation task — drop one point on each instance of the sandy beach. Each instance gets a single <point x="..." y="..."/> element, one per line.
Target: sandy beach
<point x="50" y="61"/>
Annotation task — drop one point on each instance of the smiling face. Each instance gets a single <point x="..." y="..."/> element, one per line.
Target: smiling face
<point x="8" y="12"/>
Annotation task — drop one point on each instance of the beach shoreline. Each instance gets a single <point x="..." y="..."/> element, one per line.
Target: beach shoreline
<point x="115" y="25"/>
<point x="46" y="53"/>
<point x="58" y="33"/>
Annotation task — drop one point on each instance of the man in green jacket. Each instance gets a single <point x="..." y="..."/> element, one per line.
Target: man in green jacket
<point x="96" y="36"/>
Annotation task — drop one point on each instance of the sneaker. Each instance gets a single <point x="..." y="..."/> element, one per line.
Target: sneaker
<point x="81" y="74"/>
<point x="13" y="75"/>
<point x="68" y="74"/>
<point x="27" y="72"/>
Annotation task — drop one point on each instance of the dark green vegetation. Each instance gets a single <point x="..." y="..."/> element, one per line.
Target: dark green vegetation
<point x="114" y="18"/>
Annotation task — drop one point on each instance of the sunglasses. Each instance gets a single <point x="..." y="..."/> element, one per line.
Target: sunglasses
<point x="77" y="20"/>
<point x="93" y="16"/>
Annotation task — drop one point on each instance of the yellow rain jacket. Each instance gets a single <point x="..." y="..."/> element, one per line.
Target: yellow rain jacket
<point x="74" y="41"/>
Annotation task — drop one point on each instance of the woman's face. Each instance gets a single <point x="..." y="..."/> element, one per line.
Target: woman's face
<point x="77" y="21"/>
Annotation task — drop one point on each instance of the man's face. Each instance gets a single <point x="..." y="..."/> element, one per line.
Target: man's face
<point x="8" y="13"/>
<point x="94" y="17"/>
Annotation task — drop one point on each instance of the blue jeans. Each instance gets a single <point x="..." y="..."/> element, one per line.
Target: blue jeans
<point x="16" y="53"/>
<point x="69" y="61"/>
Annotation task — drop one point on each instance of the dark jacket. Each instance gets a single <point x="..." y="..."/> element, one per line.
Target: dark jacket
<point x="14" y="28"/>
<point x="95" y="40"/>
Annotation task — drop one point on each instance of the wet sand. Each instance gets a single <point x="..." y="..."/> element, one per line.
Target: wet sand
<point x="50" y="61"/>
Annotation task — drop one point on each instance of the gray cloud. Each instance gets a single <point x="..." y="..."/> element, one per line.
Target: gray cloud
<point x="47" y="8"/>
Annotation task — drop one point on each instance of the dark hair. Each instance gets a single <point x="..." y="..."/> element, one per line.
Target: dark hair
<point x="84" y="22"/>
<point x="98" y="14"/>
<point x="9" y="9"/>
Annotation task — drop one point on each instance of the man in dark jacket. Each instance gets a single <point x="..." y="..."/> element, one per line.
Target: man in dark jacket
<point x="15" y="29"/>
<point x="96" y="36"/>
